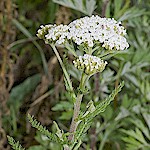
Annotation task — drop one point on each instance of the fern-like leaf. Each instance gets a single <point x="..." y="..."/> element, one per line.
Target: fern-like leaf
<point x="102" y="105"/>
<point x="15" y="145"/>
<point x="135" y="140"/>
<point x="52" y="137"/>
<point x="86" y="121"/>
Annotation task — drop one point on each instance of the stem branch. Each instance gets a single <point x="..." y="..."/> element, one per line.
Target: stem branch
<point x="63" y="67"/>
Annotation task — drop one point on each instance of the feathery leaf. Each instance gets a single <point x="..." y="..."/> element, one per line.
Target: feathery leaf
<point x="52" y="137"/>
<point x="15" y="145"/>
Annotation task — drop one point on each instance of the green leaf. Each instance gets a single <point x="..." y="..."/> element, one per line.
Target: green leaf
<point x="78" y="145"/>
<point x="117" y="6"/>
<point x="122" y="114"/>
<point x="86" y="120"/>
<point x="121" y="7"/>
<point x="52" y="8"/>
<point x="15" y="145"/>
<point x="19" y="92"/>
<point x="107" y="12"/>
<point x="137" y="134"/>
<point x="139" y="124"/>
<point x="52" y="137"/>
<point x="140" y="136"/>
<point x="87" y="7"/>
<point x="38" y="147"/>
<point x="90" y="6"/>
<point x="59" y="132"/>
<point x="147" y="120"/>
<point x="102" y="105"/>
<point x="126" y="68"/>
<point x="29" y="35"/>
<point x="66" y="115"/>
<point x="132" y="141"/>
<point x="71" y="48"/>
<point x="132" y="13"/>
<point x="62" y="105"/>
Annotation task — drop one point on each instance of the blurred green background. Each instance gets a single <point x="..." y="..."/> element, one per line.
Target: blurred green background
<point x="31" y="80"/>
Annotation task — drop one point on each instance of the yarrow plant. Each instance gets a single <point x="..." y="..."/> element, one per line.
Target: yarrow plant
<point x="95" y="38"/>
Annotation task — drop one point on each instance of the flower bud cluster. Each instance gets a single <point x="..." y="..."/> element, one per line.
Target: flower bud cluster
<point x="89" y="64"/>
<point x="88" y="31"/>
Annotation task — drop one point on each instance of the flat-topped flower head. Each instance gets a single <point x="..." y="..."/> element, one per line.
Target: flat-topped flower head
<point x="89" y="64"/>
<point x="106" y="31"/>
<point x="87" y="31"/>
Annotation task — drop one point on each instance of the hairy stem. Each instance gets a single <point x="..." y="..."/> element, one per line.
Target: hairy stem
<point x="74" y="123"/>
<point x="77" y="104"/>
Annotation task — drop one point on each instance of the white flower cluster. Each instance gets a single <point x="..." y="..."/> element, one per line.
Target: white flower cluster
<point x="96" y="29"/>
<point x="89" y="64"/>
<point x="89" y="30"/>
<point x="43" y="31"/>
<point x="57" y="34"/>
<point x="53" y="33"/>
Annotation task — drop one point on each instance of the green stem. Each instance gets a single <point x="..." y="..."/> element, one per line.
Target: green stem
<point x="105" y="53"/>
<point x="104" y="140"/>
<point x="63" y="67"/>
<point x="79" y="134"/>
<point x="90" y="51"/>
<point x="84" y="78"/>
<point x="71" y="49"/>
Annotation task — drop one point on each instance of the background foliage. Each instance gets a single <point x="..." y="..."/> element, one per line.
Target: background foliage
<point x="33" y="81"/>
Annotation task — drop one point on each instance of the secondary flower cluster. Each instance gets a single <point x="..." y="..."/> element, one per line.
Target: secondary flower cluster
<point x="44" y="31"/>
<point x="88" y="30"/>
<point x="89" y="64"/>
<point x="57" y="34"/>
